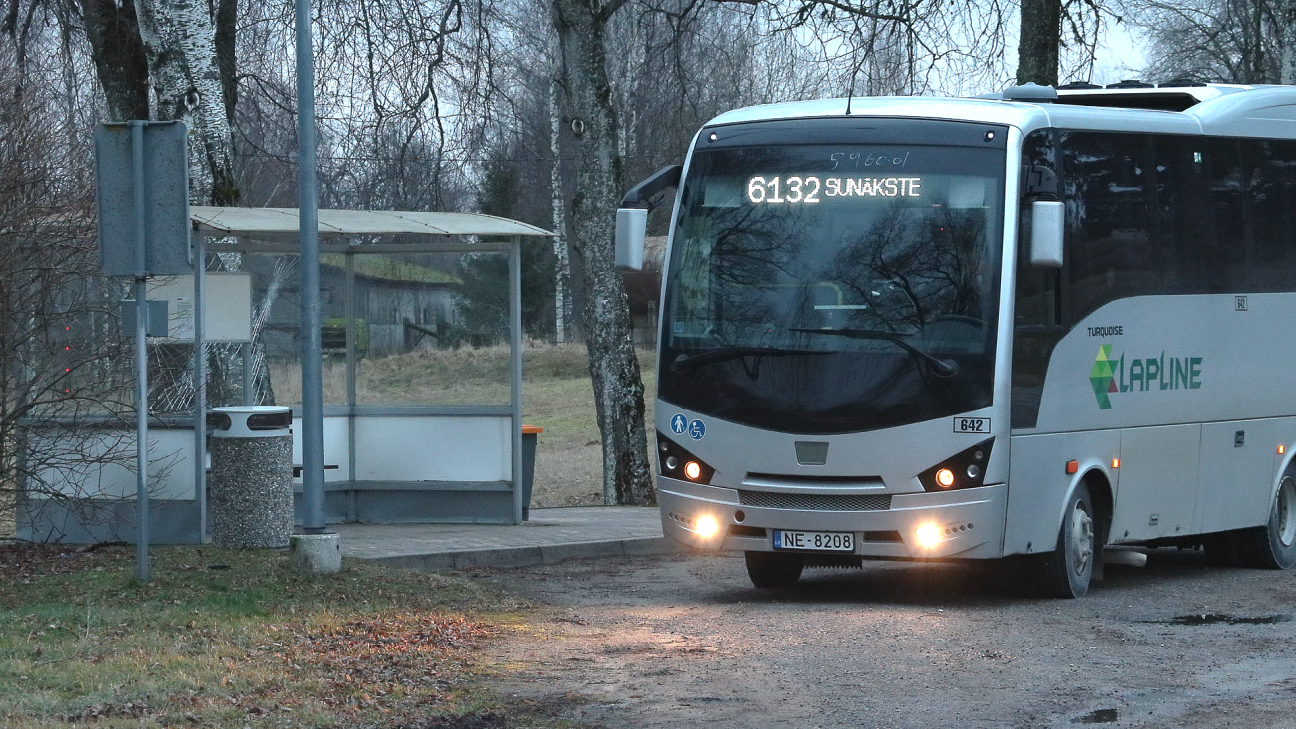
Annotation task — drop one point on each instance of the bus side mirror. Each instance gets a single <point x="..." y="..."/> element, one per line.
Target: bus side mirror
<point x="631" y="226"/>
<point x="1047" y="224"/>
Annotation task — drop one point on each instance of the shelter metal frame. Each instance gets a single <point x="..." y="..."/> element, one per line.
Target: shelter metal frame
<point x="275" y="230"/>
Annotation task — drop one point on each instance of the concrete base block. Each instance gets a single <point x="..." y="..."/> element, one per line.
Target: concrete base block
<point x="315" y="554"/>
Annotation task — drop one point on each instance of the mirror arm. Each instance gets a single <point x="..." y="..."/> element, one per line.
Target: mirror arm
<point x="645" y="193"/>
<point x="1041" y="184"/>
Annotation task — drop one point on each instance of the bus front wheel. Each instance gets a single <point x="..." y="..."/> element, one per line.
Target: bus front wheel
<point x="1066" y="572"/>
<point x="769" y="570"/>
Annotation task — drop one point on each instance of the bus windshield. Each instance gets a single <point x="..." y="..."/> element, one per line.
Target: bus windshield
<point x="831" y="288"/>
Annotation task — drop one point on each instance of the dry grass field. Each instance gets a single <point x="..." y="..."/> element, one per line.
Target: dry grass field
<point x="237" y="639"/>
<point x="556" y="395"/>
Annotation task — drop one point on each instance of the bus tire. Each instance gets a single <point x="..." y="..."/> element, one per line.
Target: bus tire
<point x="1066" y="572"/>
<point x="1273" y="546"/>
<point x="772" y="570"/>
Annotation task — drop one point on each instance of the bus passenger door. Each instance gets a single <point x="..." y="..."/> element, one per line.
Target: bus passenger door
<point x="1158" y="482"/>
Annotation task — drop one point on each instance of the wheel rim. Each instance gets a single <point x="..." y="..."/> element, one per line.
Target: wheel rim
<point x="1080" y="538"/>
<point x="1286" y="508"/>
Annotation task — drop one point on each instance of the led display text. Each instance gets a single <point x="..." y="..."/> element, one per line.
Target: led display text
<point x="812" y="189"/>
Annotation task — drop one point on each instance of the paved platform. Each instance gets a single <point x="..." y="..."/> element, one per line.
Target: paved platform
<point x="551" y="535"/>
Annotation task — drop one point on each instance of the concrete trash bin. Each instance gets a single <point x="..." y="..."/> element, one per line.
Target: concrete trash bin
<point x="530" y="436"/>
<point x="251" y="487"/>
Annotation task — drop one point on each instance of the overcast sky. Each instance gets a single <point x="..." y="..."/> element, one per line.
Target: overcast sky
<point x="1120" y="55"/>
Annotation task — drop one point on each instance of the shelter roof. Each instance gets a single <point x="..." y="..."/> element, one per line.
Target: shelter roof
<point x="285" y="223"/>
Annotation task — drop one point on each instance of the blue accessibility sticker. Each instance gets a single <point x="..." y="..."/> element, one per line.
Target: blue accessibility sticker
<point x="696" y="430"/>
<point x="678" y="423"/>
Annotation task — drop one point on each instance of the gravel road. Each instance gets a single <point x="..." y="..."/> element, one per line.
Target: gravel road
<point x="685" y="641"/>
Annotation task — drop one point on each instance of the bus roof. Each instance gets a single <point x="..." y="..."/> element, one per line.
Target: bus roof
<point x="1217" y="109"/>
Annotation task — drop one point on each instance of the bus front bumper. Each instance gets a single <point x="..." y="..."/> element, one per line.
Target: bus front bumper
<point x="964" y="524"/>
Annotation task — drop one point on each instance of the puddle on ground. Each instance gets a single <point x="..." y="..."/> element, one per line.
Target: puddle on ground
<point x="1220" y="619"/>
<point x="1098" y="716"/>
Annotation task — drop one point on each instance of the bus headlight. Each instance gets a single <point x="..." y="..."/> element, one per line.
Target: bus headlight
<point x="675" y="462"/>
<point x="962" y="470"/>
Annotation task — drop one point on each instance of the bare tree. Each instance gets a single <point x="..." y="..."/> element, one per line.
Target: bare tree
<point x="1229" y="41"/>
<point x="1051" y="28"/>
<point x="1286" y="21"/>
<point x="61" y="356"/>
<point x="120" y="60"/>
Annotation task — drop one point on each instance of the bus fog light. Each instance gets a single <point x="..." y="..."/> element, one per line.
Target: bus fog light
<point x="692" y="470"/>
<point x="671" y="463"/>
<point x="929" y="535"/>
<point x="945" y="477"/>
<point x="706" y="526"/>
<point x="973" y="471"/>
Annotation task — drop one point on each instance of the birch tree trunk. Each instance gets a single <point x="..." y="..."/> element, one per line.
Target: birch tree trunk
<point x="1041" y="36"/>
<point x="562" y="267"/>
<point x="1287" y="41"/>
<point x="586" y="104"/>
<point x="180" y="41"/>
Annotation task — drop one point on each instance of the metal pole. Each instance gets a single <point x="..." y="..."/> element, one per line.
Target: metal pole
<point x="246" y="348"/>
<point x="515" y="362"/>
<point x="141" y="431"/>
<point x="352" y="364"/>
<point x="141" y="357"/>
<point x="312" y="387"/>
<point x="200" y="384"/>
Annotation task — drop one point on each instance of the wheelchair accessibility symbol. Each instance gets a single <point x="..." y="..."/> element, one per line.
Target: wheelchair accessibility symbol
<point x="696" y="430"/>
<point x="678" y="424"/>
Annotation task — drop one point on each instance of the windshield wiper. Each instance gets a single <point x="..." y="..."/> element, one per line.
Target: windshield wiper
<point x="684" y="363"/>
<point x="942" y="367"/>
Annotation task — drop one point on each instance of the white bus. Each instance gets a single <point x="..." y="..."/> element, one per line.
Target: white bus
<point x="1038" y="323"/>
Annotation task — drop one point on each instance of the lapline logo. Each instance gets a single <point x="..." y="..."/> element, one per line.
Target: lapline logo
<point x="1111" y="375"/>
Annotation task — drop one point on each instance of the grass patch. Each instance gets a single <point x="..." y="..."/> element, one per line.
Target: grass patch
<point x="222" y="638"/>
<point x="569" y="456"/>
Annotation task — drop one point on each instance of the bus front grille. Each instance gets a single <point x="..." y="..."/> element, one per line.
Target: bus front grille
<point x="815" y="502"/>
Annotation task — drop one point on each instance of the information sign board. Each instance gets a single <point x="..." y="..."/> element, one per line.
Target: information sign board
<point x="165" y="182"/>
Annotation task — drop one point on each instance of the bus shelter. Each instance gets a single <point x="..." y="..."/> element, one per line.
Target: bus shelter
<point x="386" y="458"/>
<point x="390" y="298"/>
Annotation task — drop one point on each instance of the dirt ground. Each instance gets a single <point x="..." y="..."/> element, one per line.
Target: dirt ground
<point x="686" y="641"/>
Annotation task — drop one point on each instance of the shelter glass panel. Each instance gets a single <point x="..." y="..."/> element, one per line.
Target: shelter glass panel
<point x="275" y="371"/>
<point x="431" y="328"/>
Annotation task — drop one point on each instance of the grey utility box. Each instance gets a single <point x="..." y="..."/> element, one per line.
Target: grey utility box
<point x="251" y="484"/>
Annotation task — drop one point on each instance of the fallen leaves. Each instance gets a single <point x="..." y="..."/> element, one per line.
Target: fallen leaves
<point x="381" y="657"/>
<point x="104" y="711"/>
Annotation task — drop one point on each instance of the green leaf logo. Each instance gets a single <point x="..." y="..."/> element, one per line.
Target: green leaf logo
<point x="1102" y="378"/>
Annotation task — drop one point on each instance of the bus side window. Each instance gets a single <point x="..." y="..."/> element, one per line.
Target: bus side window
<point x="1037" y="290"/>
<point x="1037" y="308"/>
<point x="1270" y="166"/>
<point x="1187" y="170"/>
<point x="1228" y="264"/>
<point x="1111" y="229"/>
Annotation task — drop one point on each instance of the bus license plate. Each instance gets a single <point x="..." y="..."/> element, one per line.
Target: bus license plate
<point x="817" y="541"/>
